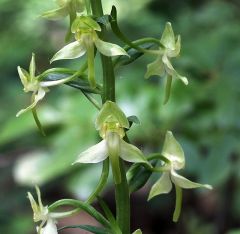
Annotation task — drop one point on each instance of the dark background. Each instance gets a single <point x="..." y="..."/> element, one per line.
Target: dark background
<point x="204" y="116"/>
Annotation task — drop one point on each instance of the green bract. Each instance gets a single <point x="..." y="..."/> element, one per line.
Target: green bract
<point x="162" y="65"/>
<point x="32" y="84"/>
<point x="111" y="122"/>
<point x="173" y="152"/>
<point x="41" y="213"/>
<point x="85" y="29"/>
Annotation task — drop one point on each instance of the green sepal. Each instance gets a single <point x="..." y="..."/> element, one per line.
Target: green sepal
<point x="173" y="151"/>
<point x="168" y="38"/>
<point x="89" y="228"/>
<point x="162" y="186"/>
<point x="85" y="22"/>
<point x="110" y="109"/>
<point x="155" y="68"/>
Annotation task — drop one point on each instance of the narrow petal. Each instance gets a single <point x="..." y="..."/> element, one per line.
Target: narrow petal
<point x="23" y="74"/>
<point x="170" y="70"/>
<point x="109" y="49"/>
<point x="131" y="153"/>
<point x="183" y="182"/>
<point x="56" y="13"/>
<point x="73" y="50"/>
<point x="155" y="68"/>
<point x="37" y="97"/>
<point x="32" y="67"/>
<point x="50" y="227"/>
<point x="94" y="154"/>
<point x="162" y="186"/>
<point x="173" y="151"/>
<point x="176" y="51"/>
<point x="33" y="203"/>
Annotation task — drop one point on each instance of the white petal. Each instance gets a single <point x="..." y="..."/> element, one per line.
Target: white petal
<point x="50" y="227"/>
<point x="183" y="182"/>
<point x="162" y="186"/>
<point x="23" y="74"/>
<point x="109" y="49"/>
<point x="155" y="68"/>
<point x="94" y="154"/>
<point x="73" y="50"/>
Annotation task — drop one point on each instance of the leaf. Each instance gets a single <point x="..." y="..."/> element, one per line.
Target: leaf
<point x="73" y="50"/>
<point x="109" y="49"/>
<point x="92" y="229"/>
<point x="138" y="176"/>
<point x="163" y="185"/>
<point x="133" y="53"/>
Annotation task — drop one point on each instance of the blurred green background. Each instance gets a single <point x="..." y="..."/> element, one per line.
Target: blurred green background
<point x="204" y="116"/>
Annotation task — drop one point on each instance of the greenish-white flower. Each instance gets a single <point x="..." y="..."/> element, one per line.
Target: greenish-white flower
<point x="31" y="83"/>
<point x="42" y="214"/>
<point x="111" y="123"/>
<point x="162" y="65"/>
<point x="85" y="29"/>
<point x="174" y="154"/>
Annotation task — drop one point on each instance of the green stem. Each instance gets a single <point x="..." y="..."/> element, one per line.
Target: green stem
<point x="178" y="205"/>
<point x="108" y="93"/>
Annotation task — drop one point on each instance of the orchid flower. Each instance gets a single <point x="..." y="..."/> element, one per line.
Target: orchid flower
<point x="86" y="37"/>
<point x="173" y="152"/>
<point x="42" y="214"/>
<point x="162" y="65"/>
<point x="31" y="83"/>
<point x="111" y="123"/>
<point x="175" y="160"/>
